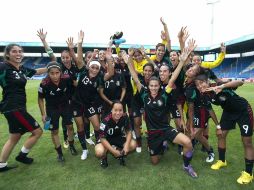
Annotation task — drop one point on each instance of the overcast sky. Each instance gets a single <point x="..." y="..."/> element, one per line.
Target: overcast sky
<point x="138" y="19"/>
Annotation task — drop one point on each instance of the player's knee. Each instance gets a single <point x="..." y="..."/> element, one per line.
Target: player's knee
<point x="99" y="151"/>
<point x="54" y="132"/>
<point x="133" y="145"/>
<point x="37" y="133"/>
<point x="187" y="143"/>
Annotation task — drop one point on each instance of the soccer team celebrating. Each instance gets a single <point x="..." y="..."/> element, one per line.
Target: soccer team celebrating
<point x="114" y="93"/>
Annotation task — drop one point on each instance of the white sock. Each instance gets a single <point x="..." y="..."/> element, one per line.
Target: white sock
<point x="3" y="164"/>
<point x="24" y="149"/>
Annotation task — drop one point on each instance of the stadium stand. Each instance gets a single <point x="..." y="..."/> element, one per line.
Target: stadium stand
<point x="237" y="67"/>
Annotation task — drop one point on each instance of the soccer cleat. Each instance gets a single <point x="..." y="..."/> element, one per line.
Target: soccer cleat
<point x="84" y="154"/>
<point x="60" y="158"/>
<point x="245" y="178"/>
<point x="24" y="159"/>
<point x="90" y="141"/>
<point x="73" y="151"/>
<point x="104" y="163"/>
<point x="180" y="149"/>
<point x="7" y="168"/>
<point x="210" y="157"/>
<point x="138" y="149"/>
<point x="139" y="145"/>
<point x="218" y="165"/>
<point x="203" y="149"/>
<point x="66" y="144"/>
<point x="190" y="171"/>
<point x="121" y="161"/>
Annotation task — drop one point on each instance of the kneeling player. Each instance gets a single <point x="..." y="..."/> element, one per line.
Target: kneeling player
<point x="115" y="135"/>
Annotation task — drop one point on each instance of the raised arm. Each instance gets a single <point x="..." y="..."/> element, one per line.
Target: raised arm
<point x="71" y="47"/>
<point x="165" y="35"/>
<point x="143" y="51"/>
<point x="231" y="84"/>
<point x="182" y="37"/>
<point x="129" y="62"/>
<point x="110" y="61"/>
<point x="218" y="61"/>
<point x="80" y="62"/>
<point x="42" y="35"/>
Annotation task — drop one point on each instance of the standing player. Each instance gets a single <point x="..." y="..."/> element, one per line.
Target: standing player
<point x="67" y="66"/>
<point x="115" y="135"/>
<point x="235" y="110"/>
<point x="87" y="100"/>
<point x="13" y="79"/>
<point x="55" y="89"/>
<point x="112" y="89"/>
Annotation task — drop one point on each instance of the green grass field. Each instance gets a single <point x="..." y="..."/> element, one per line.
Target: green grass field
<point x="139" y="173"/>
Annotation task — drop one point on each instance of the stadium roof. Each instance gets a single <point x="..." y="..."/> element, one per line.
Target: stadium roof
<point x="239" y="45"/>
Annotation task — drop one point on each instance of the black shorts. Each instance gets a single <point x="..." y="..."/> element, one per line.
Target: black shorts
<point x="244" y="119"/>
<point x="21" y="121"/>
<point x="64" y="111"/>
<point x="175" y="114"/>
<point x="201" y="116"/>
<point x="117" y="141"/>
<point x="157" y="137"/>
<point x="77" y="109"/>
<point x="80" y="110"/>
<point x="137" y="108"/>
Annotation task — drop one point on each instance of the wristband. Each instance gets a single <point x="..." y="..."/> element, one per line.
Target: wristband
<point x="218" y="127"/>
<point x="50" y="51"/>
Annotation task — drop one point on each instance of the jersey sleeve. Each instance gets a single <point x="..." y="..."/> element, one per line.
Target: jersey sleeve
<point x="102" y="131"/>
<point x="216" y="63"/>
<point x="41" y="91"/>
<point x="2" y="74"/>
<point x="28" y="72"/>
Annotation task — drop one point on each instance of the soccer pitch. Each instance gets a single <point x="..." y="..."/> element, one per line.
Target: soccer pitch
<point x="139" y="173"/>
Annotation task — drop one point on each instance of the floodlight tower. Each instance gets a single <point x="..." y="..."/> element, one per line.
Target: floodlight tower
<point x="212" y="3"/>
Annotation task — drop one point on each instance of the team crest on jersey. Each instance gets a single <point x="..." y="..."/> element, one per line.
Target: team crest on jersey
<point x="102" y="126"/>
<point x="118" y="83"/>
<point x="64" y="89"/>
<point x="95" y="84"/>
<point x="75" y="113"/>
<point x="58" y="89"/>
<point x="159" y="102"/>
